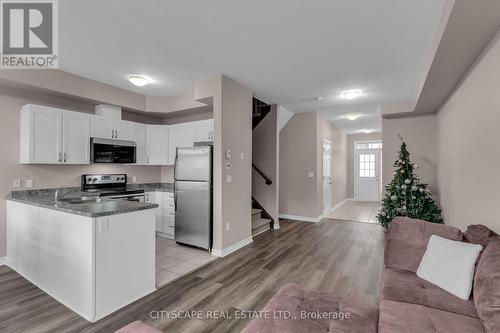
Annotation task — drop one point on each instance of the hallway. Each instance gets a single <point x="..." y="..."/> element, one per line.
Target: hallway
<point x="357" y="211"/>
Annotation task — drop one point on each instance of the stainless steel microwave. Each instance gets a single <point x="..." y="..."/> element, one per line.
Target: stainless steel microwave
<point x="112" y="151"/>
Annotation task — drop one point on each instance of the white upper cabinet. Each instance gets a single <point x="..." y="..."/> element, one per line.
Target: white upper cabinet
<point x="203" y="130"/>
<point x="103" y="128"/>
<point x="54" y="136"/>
<point x="112" y="129"/>
<point x="124" y="130"/>
<point x="157" y="142"/>
<point x="140" y="138"/>
<point x="76" y="138"/>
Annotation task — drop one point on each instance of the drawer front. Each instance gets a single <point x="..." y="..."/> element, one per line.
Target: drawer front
<point x="169" y="224"/>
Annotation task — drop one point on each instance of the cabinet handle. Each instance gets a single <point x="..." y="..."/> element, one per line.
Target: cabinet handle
<point x="116" y="134"/>
<point x="65" y="157"/>
<point x="60" y="157"/>
<point x="147" y="160"/>
<point x="172" y="225"/>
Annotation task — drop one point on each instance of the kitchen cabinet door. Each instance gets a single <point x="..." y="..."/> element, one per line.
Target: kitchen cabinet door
<point x="157" y="141"/>
<point x="156" y="198"/>
<point x="179" y="136"/>
<point x="103" y="128"/>
<point x="124" y="130"/>
<point x="41" y="135"/>
<point x="203" y="130"/>
<point x="140" y="139"/>
<point x="76" y="138"/>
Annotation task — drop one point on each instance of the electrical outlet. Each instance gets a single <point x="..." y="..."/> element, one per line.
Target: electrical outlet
<point x="228" y="226"/>
<point x="29" y="183"/>
<point x="16" y="183"/>
<point x="310" y="175"/>
<point x="229" y="179"/>
<point x="134" y="179"/>
<point x="242" y="156"/>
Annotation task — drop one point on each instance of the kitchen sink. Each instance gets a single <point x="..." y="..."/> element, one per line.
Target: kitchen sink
<point x="82" y="200"/>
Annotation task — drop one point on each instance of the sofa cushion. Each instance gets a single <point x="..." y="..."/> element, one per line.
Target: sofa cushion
<point x="408" y="238"/>
<point x="405" y="286"/>
<point x="478" y="234"/>
<point x="397" y="317"/>
<point x="297" y="301"/>
<point x="487" y="286"/>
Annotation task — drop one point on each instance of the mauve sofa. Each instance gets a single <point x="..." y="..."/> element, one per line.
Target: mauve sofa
<point x="407" y="303"/>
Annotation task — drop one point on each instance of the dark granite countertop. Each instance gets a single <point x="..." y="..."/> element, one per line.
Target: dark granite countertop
<point x="89" y="207"/>
<point x="157" y="187"/>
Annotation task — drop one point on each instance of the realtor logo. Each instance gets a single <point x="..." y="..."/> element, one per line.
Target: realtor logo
<point x="28" y="34"/>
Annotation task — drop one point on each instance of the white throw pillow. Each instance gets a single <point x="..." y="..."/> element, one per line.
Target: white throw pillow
<point x="449" y="265"/>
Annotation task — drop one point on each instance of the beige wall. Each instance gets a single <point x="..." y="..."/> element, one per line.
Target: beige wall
<point x="265" y="156"/>
<point x="420" y="136"/>
<point x="301" y="152"/>
<point x="232" y="107"/>
<point x="468" y="127"/>
<point x="351" y="139"/>
<point x="297" y="151"/>
<point x="338" y="138"/>
<point x="45" y="176"/>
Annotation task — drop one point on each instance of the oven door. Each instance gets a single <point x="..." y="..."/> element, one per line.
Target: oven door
<point x="112" y="151"/>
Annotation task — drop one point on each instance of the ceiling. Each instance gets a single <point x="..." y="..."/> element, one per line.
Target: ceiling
<point x="286" y="51"/>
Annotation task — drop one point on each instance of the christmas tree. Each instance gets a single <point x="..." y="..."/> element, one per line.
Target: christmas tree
<point x="406" y="195"/>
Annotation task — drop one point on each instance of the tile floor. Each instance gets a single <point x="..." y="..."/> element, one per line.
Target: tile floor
<point x="357" y="211"/>
<point x="173" y="261"/>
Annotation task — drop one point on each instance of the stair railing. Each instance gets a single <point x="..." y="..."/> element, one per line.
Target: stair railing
<point x="260" y="172"/>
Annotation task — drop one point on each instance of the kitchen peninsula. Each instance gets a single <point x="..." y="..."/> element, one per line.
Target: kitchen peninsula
<point x="94" y="255"/>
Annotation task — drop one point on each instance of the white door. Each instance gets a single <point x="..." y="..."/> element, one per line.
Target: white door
<point x="157" y="144"/>
<point x="141" y="144"/>
<point x="368" y="175"/>
<point x="203" y="130"/>
<point x="327" y="177"/>
<point x="46" y="136"/>
<point x="124" y="130"/>
<point x="103" y="128"/>
<point x="76" y="142"/>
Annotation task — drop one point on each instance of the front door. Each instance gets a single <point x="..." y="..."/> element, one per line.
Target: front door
<point x="368" y="175"/>
<point x="327" y="177"/>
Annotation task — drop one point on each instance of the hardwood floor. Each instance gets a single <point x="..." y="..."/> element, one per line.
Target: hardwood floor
<point x="357" y="211"/>
<point x="338" y="256"/>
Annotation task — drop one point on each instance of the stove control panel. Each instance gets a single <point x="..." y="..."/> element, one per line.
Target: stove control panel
<point x="104" y="179"/>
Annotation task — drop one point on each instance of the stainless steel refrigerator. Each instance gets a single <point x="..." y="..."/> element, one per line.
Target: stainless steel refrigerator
<point x="193" y="196"/>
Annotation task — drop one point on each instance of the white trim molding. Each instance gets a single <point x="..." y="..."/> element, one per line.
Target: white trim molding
<point x="301" y="218"/>
<point x="3" y="261"/>
<point x="232" y="248"/>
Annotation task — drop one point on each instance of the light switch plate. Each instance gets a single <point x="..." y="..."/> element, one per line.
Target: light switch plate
<point x="229" y="179"/>
<point x="228" y="154"/>
<point x="242" y="156"/>
<point x="29" y="183"/>
<point x="310" y="175"/>
<point x="228" y="226"/>
<point x="16" y="183"/>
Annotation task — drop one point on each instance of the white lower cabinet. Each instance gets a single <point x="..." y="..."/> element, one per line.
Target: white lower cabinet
<point x="94" y="266"/>
<point x="164" y="214"/>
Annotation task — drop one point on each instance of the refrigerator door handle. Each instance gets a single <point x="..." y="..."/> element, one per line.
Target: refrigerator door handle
<point x="175" y="200"/>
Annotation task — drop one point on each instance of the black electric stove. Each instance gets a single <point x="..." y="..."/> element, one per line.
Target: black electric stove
<point x="112" y="185"/>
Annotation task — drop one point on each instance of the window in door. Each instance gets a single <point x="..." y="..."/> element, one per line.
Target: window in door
<point x="367" y="165"/>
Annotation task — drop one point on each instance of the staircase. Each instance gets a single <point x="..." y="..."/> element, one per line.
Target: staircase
<point x="259" y="111"/>
<point x="259" y="223"/>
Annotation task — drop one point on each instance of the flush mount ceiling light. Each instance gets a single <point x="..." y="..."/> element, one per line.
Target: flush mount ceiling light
<point x="352" y="116"/>
<point x="139" y="80"/>
<point x="318" y="99"/>
<point x="367" y="131"/>
<point x="351" y="93"/>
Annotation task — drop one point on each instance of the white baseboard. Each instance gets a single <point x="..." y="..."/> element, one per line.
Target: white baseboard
<point x="3" y="261"/>
<point x="340" y="204"/>
<point x="232" y="248"/>
<point x="301" y="218"/>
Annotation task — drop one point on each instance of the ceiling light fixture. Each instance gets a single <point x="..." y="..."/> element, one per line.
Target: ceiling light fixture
<point x="139" y="80"/>
<point x="352" y="116"/>
<point x="318" y="99"/>
<point x="351" y="93"/>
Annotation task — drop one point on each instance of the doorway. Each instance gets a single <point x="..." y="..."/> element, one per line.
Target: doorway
<point x="327" y="177"/>
<point x="367" y="170"/>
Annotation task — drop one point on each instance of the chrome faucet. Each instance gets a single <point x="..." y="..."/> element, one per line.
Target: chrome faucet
<point x="58" y="196"/>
